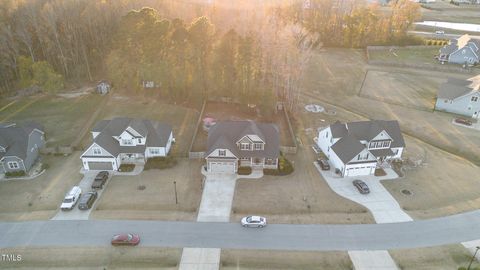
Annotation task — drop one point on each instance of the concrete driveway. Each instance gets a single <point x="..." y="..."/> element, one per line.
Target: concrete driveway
<point x="85" y="184"/>
<point x="217" y="198"/>
<point x="382" y="205"/>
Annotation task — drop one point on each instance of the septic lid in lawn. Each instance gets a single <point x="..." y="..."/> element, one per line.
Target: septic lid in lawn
<point x="407" y="192"/>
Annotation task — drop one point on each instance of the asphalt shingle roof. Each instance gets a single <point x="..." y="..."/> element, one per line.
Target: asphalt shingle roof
<point x="454" y="88"/>
<point x="157" y="134"/>
<point x="225" y="134"/>
<point x="15" y="138"/>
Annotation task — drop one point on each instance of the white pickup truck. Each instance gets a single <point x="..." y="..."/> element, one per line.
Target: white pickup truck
<point x="71" y="198"/>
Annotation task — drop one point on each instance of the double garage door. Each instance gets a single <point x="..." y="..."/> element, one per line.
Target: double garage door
<point x="354" y="171"/>
<point x="222" y="167"/>
<point x="107" y="166"/>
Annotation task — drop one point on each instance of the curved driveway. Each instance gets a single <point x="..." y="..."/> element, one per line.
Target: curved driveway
<point x="415" y="234"/>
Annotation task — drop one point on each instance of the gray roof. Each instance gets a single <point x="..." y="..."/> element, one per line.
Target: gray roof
<point x="454" y="88"/>
<point x="347" y="148"/>
<point x="349" y="145"/>
<point x="448" y="49"/>
<point x="157" y="134"/>
<point x="338" y="130"/>
<point x="15" y="138"/>
<point x="225" y="134"/>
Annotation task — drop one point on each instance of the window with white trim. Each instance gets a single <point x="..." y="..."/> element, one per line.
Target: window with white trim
<point x="127" y="142"/>
<point x="13" y="165"/>
<point x="154" y="151"/>
<point x="222" y="153"/>
<point x="97" y="151"/>
<point x="244" y="146"/>
<point x="474" y="99"/>
<point x="258" y="146"/>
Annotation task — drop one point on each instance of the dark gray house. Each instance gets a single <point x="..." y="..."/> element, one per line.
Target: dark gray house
<point x="460" y="97"/>
<point x="464" y="50"/>
<point x="233" y="144"/>
<point x="19" y="146"/>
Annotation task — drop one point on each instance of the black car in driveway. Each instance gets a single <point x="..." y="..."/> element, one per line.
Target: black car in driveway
<point x="361" y="186"/>
<point x="87" y="200"/>
<point x="323" y="163"/>
<point x="100" y="180"/>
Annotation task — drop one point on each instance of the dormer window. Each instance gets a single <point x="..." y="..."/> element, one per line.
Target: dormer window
<point x="127" y="142"/>
<point x="258" y="146"/>
<point x="139" y="140"/>
<point x="474" y="99"/>
<point x="97" y="151"/>
<point x="222" y="153"/>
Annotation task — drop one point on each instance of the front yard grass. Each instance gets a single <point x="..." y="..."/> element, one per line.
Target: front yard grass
<point x="41" y="197"/>
<point x="94" y="258"/>
<point x="62" y="118"/>
<point x="445" y="185"/>
<point x="440" y="257"/>
<point x="151" y="195"/>
<point x="302" y="197"/>
<point x="262" y="259"/>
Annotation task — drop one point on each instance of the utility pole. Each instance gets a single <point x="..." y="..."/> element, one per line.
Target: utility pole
<point x="473" y="257"/>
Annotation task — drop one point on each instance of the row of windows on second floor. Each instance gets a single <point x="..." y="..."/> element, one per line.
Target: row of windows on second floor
<point x="379" y="144"/>
<point x="251" y="146"/>
<point x="131" y="142"/>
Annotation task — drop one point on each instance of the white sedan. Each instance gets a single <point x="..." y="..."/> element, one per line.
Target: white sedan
<point x="254" y="221"/>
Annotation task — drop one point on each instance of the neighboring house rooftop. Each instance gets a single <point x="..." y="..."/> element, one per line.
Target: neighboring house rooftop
<point x="157" y="134"/>
<point x="461" y="42"/>
<point x="225" y="134"/>
<point x="455" y="88"/>
<point x="15" y="138"/>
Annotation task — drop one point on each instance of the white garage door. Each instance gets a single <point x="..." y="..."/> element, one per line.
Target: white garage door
<point x="224" y="167"/>
<point x="358" y="171"/>
<point x="100" y="166"/>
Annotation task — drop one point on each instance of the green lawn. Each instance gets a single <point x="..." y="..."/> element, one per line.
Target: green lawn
<point x="63" y="118"/>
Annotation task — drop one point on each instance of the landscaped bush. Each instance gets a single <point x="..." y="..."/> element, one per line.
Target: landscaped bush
<point x="15" y="174"/>
<point x="285" y="167"/>
<point x="126" y="167"/>
<point x="244" y="170"/>
<point x="160" y="163"/>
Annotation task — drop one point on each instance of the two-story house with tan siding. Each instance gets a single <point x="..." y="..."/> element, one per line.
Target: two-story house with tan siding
<point x="234" y="144"/>
<point x="356" y="148"/>
<point x="126" y="140"/>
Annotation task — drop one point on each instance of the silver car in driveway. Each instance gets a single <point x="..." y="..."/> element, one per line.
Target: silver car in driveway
<point x="254" y="221"/>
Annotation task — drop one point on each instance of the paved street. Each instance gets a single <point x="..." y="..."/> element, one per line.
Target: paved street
<point x="440" y="231"/>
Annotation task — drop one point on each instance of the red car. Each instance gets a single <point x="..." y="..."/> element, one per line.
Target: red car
<point x="126" y="239"/>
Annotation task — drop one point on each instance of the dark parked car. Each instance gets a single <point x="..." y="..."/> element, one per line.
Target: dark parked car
<point x="100" y="180"/>
<point x="323" y="164"/>
<point x="463" y="121"/>
<point x="361" y="186"/>
<point x="125" y="239"/>
<point x="87" y="200"/>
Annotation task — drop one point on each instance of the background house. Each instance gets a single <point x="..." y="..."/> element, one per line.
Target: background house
<point x="242" y="143"/>
<point x="103" y="87"/>
<point x="464" y="50"/>
<point x="356" y="148"/>
<point x="20" y="146"/>
<point x="460" y="97"/>
<point x="126" y="140"/>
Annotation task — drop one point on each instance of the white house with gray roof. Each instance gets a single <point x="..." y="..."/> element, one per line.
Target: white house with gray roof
<point x="460" y="97"/>
<point x="125" y="140"/>
<point x="20" y="146"/>
<point x="356" y="148"/>
<point x="233" y="144"/>
<point x="464" y="50"/>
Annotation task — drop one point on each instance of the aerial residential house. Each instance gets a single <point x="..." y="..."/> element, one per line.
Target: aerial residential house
<point x="460" y="97"/>
<point x="20" y="146"/>
<point x="357" y="148"/>
<point x="464" y="50"/>
<point x="103" y="87"/>
<point x="233" y="144"/>
<point x="125" y="140"/>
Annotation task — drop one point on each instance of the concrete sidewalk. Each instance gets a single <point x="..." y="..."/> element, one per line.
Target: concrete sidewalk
<point x="372" y="260"/>
<point x="216" y="205"/>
